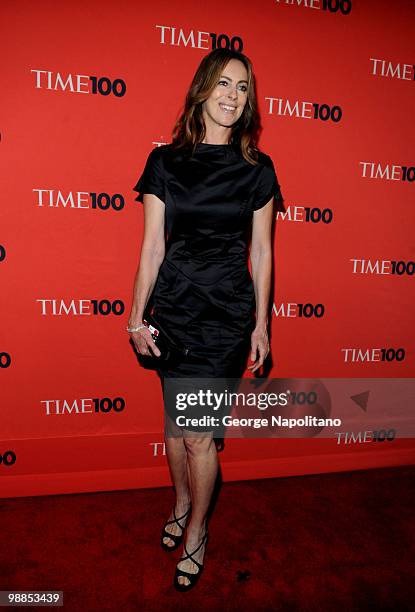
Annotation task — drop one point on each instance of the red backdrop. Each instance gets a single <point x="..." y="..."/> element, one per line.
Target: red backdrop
<point x="89" y="88"/>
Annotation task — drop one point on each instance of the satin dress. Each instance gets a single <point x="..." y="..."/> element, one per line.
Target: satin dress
<point x="204" y="292"/>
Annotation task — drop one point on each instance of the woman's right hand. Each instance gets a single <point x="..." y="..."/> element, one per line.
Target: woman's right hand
<point x="143" y="342"/>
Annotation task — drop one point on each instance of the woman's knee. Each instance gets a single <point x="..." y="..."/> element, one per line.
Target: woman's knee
<point x="198" y="445"/>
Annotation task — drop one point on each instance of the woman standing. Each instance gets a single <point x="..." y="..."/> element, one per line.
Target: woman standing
<point x="212" y="190"/>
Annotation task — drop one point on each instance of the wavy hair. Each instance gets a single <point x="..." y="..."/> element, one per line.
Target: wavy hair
<point x="190" y="128"/>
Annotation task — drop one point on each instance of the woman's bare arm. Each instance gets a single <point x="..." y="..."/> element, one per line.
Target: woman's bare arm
<point x="261" y="264"/>
<point x="151" y="256"/>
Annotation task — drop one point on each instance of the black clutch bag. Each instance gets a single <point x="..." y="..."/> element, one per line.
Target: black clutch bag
<point x="163" y="338"/>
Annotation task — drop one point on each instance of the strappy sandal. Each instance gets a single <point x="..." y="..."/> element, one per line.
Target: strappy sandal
<point x="193" y="578"/>
<point x="177" y="539"/>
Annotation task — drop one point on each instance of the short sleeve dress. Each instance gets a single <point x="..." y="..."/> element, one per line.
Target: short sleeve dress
<point x="204" y="292"/>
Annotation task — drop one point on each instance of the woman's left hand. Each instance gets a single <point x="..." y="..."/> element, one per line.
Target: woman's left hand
<point x="259" y="347"/>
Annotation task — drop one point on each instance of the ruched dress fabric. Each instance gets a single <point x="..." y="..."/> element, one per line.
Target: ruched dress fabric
<point x="204" y="292"/>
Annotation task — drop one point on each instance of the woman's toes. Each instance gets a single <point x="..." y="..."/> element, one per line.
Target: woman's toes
<point x="168" y="541"/>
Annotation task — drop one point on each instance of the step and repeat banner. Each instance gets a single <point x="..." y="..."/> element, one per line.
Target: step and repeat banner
<point x="89" y="89"/>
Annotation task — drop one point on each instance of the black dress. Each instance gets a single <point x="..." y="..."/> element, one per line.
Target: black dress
<point x="204" y="292"/>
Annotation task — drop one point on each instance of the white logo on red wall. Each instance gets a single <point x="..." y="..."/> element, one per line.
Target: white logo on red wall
<point x="392" y="70"/>
<point x="382" y="267"/>
<point x="386" y="172"/>
<point x="59" y="307"/>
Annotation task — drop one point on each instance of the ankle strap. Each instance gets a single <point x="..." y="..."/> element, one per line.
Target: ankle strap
<point x="181" y="517"/>
<point x="189" y="555"/>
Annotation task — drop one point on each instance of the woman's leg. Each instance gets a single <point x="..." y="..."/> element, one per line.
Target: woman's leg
<point x="202" y="461"/>
<point x="177" y="460"/>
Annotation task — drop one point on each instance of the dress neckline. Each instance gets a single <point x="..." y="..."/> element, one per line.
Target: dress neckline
<point x="208" y="144"/>
<point x="220" y="151"/>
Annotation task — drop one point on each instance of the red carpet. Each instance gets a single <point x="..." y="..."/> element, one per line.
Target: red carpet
<point x="324" y="542"/>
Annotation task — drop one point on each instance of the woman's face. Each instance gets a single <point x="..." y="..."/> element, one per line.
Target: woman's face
<point x="227" y="101"/>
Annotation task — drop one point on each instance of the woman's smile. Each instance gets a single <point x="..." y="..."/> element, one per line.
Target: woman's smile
<point x="227" y="108"/>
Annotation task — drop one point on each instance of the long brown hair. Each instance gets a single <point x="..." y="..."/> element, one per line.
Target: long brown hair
<point x="190" y="128"/>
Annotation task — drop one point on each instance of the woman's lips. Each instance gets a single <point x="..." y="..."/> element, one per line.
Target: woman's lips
<point x="227" y="108"/>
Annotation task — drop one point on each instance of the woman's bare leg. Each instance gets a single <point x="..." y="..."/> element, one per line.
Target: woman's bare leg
<point x="177" y="459"/>
<point x="202" y="461"/>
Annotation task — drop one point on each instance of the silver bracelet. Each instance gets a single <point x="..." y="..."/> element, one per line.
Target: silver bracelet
<point x="134" y="329"/>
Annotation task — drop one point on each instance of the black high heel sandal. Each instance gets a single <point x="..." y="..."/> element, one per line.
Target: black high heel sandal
<point x="177" y="539"/>
<point x="193" y="578"/>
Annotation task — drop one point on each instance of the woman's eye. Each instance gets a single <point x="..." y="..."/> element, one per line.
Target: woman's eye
<point x="244" y="87"/>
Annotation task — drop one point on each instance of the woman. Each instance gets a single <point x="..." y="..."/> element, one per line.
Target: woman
<point x="213" y="189"/>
